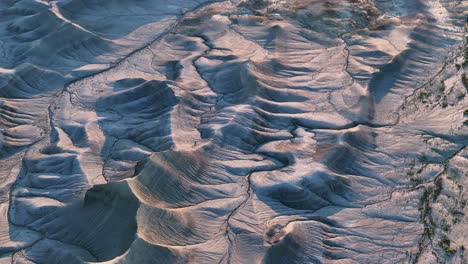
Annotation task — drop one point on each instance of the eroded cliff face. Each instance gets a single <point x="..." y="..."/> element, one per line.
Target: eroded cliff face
<point x="301" y="131"/>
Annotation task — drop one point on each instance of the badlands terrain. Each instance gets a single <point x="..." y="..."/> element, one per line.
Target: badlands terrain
<point x="197" y="131"/>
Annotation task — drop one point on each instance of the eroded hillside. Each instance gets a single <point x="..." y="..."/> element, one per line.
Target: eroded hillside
<point x="302" y="131"/>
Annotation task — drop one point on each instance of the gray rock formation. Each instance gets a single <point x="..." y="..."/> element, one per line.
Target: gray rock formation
<point x="197" y="131"/>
